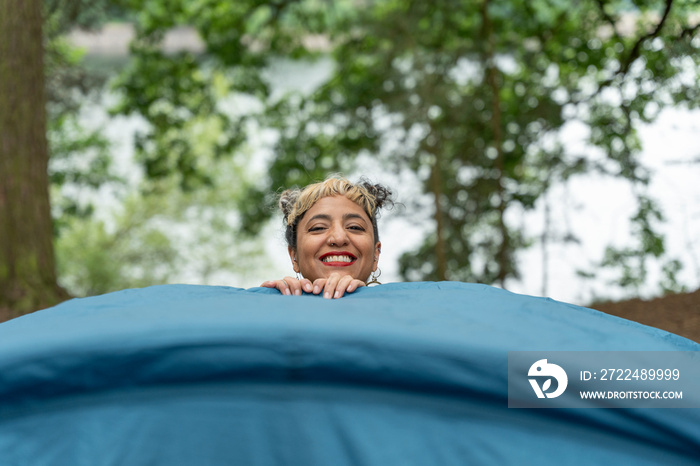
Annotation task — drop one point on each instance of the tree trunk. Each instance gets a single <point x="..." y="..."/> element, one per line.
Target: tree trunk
<point x="436" y="188"/>
<point x="502" y="256"/>
<point x="27" y="264"/>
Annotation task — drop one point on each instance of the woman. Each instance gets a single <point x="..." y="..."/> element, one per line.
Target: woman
<point x="332" y="237"/>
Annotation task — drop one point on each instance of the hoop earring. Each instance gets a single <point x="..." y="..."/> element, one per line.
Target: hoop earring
<point x="298" y="276"/>
<point x="374" y="276"/>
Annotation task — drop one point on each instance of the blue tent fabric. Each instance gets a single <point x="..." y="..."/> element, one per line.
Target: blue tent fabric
<point x="402" y="373"/>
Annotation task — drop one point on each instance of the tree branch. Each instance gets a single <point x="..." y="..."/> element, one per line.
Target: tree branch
<point x="634" y="53"/>
<point x="636" y="49"/>
<point x="687" y="32"/>
<point x="609" y="19"/>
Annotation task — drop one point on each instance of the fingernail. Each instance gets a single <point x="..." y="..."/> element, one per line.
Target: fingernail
<point x="317" y="289"/>
<point x="297" y="292"/>
<point x="308" y="287"/>
<point x="287" y="292"/>
<point x="337" y="294"/>
<point x="327" y="295"/>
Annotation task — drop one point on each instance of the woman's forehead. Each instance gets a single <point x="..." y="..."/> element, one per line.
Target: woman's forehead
<point x="336" y="206"/>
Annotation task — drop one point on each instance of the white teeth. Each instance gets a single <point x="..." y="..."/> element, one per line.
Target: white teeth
<point x="337" y="259"/>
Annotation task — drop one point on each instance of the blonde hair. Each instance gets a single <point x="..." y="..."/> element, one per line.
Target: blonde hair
<point x="294" y="203"/>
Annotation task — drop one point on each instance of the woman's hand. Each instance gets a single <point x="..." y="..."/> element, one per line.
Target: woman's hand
<point x="290" y="285"/>
<point x="335" y="286"/>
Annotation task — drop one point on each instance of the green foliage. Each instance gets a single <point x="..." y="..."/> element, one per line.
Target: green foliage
<point x="172" y="90"/>
<point x="80" y="158"/>
<point x="471" y="97"/>
<point x="669" y="282"/>
<point x="632" y="261"/>
<point x="68" y="82"/>
<point x="180" y="221"/>
<point x="80" y="164"/>
<point x="177" y="98"/>
<point x="476" y="98"/>
<point x="61" y="16"/>
<point x="161" y="235"/>
<point x="93" y="260"/>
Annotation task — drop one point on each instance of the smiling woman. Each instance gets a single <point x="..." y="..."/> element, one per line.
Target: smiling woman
<point x="332" y="236"/>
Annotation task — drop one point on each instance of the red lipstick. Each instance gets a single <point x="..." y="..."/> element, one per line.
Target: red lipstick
<point x="337" y="263"/>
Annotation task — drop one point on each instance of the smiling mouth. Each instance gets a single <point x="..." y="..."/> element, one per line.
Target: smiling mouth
<point x="338" y="260"/>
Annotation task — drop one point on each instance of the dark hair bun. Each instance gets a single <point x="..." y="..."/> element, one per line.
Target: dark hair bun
<point x="381" y="194"/>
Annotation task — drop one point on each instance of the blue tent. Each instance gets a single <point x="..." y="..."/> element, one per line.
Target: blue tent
<point x="398" y="374"/>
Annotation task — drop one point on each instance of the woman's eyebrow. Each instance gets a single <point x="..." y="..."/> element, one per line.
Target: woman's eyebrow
<point x="352" y="215"/>
<point x="320" y="217"/>
<point x="345" y="217"/>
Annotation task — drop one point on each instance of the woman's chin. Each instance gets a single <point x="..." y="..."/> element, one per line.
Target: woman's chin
<point x="327" y="271"/>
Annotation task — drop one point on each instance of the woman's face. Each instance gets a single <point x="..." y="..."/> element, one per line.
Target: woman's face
<point x="335" y="235"/>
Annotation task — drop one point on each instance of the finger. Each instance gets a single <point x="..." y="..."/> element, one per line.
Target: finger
<point x="294" y="285"/>
<point x="319" y="283"/>
<point x="306" y="285"/>
<point x="355" y="284"/>
<point x="268" y="284"/>
<point x="283" y="286"/>
<point x="331" y="284"/>
<point x="343" y="284"/>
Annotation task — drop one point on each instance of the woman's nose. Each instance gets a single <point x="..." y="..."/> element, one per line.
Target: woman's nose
<point x="337" y="236"/>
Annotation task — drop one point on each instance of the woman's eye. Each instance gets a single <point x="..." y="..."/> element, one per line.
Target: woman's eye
<point x="316" y="228"/>
<point x="356" y="227"/>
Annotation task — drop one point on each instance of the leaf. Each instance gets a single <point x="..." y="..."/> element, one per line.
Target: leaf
<point x="546" y="385"/>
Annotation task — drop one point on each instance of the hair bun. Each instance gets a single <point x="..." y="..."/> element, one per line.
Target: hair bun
<point x="381" y="194"/>
<point x="287" y="200"/>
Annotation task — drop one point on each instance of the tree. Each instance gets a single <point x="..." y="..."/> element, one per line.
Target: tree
<point x="79" y="159"/>
<point x="160" y="233"/>
<point x="470" y="96"/>
<point x="477" y="94"/>
<point x="27" y="264"/>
